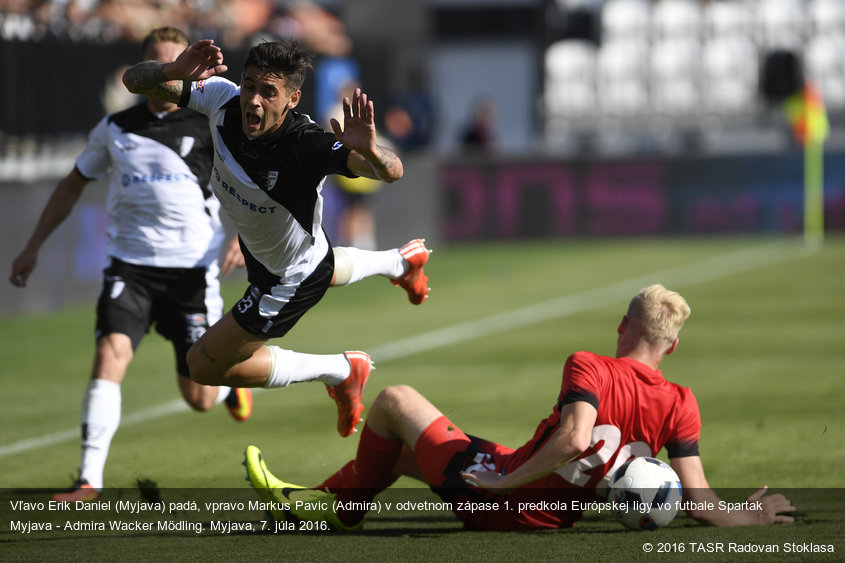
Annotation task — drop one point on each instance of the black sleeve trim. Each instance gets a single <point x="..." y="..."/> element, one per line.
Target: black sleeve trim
<point x="186" y="94"/>
<point x="84" y="177"/>
<point x="682" y="449"/>
<point x="575" y="395"/>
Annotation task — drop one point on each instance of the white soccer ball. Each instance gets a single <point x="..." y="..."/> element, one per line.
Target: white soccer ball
<point x="645" y="493"/>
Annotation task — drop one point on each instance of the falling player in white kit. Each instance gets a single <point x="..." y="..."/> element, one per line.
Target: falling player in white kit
<point x="164" y="239"/>
<point x="269" y="166"/>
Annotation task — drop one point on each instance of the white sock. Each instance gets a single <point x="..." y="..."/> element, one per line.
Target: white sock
<point x="293" y="367"/>
<point x="222" y="394"/>
<point x="100" y="419"/>
<point x="353" y="264"/>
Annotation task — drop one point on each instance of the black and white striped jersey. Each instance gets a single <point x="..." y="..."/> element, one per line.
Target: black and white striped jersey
<point x="271" y="186"/>
<point x="160" y="208"/>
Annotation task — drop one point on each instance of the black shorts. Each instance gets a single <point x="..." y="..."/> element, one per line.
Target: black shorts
<point x="270" y="310"/>
<point x="182" y="302"/>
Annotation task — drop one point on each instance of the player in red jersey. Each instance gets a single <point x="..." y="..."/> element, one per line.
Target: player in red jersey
<point x="608" y="410"/>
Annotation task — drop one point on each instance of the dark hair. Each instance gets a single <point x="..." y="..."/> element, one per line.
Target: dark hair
<point x="162" y="35"/>
<point x="287" y="58"/>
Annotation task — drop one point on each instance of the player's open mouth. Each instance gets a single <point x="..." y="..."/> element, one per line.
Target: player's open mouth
<point x="252" y="120"/>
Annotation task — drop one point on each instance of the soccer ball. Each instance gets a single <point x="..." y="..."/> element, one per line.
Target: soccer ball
<point x="644" y="493"/>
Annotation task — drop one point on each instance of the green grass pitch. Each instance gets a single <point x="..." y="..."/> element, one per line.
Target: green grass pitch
<point x="763" y="351"/>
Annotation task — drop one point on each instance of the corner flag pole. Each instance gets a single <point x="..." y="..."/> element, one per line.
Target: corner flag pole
<point x="807" y="116"/>
<point x="814" y="192"/>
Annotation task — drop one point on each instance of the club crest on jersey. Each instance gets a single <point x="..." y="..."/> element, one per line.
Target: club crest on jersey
<point x="185" y="145"/>
<point x="336" y="145"/>
<point x="270" y="181"/>
<point x="199" y="85"/>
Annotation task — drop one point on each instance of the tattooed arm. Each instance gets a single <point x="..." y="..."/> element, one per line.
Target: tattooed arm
<point x="367" y="158"/>
<point x="164" y="81"/>
<point x="383" y="164"/>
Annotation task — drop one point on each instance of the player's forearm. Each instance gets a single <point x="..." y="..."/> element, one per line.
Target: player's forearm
<point x="58" y="208"/>
<point x="545" y="462"/>
<point x="149" y="78"/>
<point x="571" y="438"/>
<point x="386" y="164"/>
<point x="560" y="449"/>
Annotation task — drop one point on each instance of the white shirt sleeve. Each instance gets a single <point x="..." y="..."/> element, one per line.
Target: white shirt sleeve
<point x="94" y="161"/>
<point x="207" y="96"/>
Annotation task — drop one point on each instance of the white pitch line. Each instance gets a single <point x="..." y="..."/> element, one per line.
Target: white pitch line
<point x="709" y="269"/>
<point x="158" y="411"/>
<point x="689" y="274"/>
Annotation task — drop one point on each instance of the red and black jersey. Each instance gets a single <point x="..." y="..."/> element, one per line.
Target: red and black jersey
<point x="638" y="413"/>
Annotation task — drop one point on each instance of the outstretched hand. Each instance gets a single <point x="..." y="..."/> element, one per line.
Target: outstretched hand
<point x="359" y="129"/>
<point x="771" y="506"/>
<point x="200" y="61"/>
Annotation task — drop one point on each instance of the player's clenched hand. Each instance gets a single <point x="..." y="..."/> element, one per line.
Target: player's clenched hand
<point x="772" y="507"/>
<point x="201" y="60"/>
<point x="489" y="480"/>
<point x="23" y="265"/>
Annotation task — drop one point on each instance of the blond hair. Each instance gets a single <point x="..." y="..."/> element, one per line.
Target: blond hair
<point x="163" y="35"/>
<point x="662" y="312"/>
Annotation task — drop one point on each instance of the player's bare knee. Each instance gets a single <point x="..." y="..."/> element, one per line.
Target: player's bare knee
<point x="200" y="402"/>
<point x="198" y="406"/>
<point x="393" y="397"/>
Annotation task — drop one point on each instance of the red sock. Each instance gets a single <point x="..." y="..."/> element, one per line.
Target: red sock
<point x="367" y="475"/>
<point x="344" y="478"/>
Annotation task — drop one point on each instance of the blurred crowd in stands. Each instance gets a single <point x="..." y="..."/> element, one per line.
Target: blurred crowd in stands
<point x="39" y="130"/>
<point x="230" y="22"/>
